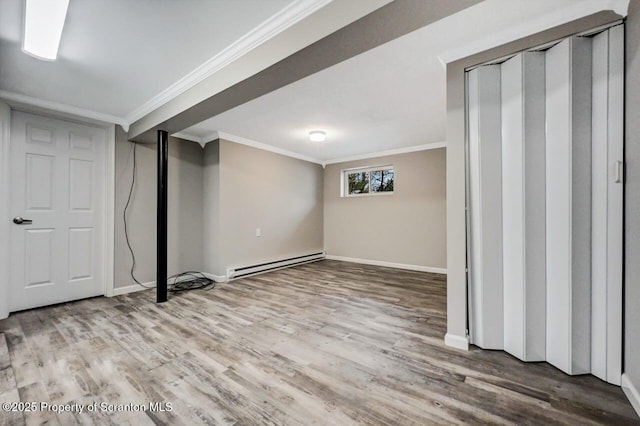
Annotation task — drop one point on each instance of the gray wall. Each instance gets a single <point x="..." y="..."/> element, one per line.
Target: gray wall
<point x="248" y="188"/>
<point x="185" y="209"/>
<point x="632" y="197"/>
<point x="211" y="261"/>
<point x="408" y="227"/>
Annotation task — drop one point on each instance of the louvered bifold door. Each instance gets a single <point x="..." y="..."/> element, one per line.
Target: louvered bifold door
<point x="568" y="205"/>
<point x="523" y="205"/>
<point x="485" y="207"/>
<point x="545" y="187"/>
<point x="607" y="186"/>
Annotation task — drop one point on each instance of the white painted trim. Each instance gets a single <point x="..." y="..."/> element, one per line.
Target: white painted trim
<point x="273" y="26"/>
<point x="455" y="341"/>
<point x="216" y="278"/>
<point x="632" y="393"/>
<point x="109" y="196"/>
<point x="118" y="291"/>
<point x="405" y="150"/>
<point x="419" y="268"/>
<point x="189" y="137"/>
<point x="152" y="284"/>
<point x="5" y="212"/>
<point x="109" y="209"/>
<point x="259" y="145"/>
<point x="17" y="100"/>
<point x="266" y="147"/>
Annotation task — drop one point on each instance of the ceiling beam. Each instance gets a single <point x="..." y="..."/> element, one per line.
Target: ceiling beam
<point x="313" y="44"/>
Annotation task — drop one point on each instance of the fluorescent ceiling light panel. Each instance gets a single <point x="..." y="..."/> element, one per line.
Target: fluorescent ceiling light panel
<point x="43" y="23"/>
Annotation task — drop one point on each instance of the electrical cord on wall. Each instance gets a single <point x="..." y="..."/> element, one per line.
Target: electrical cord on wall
<point x="124" y="217"/>
<point x="190" y="280"/>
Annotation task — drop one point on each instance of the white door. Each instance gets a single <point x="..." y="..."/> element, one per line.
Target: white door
<point x="57" y="200"/>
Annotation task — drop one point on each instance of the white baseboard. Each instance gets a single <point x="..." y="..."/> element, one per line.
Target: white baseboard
<point x="245" y="271"/>
<point x="455" y="341"/>
<point x="631" y="392"/>
<point x="388" y="264"/>
<point x="216" y="278"/>
<point x="152" y="284"/>
<point x="132" y="288"/>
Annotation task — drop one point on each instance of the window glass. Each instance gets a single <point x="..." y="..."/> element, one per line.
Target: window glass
<point x="376" y="180"/>
<point x="382" y="180"/>
<point x="387" y="181"/>
<point x="358" y="183"/>
<point x="367" y="180"/>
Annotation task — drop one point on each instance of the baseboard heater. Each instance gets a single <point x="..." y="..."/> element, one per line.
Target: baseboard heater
<point x="276" y="264"/>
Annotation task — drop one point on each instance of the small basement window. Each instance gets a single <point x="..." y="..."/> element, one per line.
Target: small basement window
<point x="367" y="181"/>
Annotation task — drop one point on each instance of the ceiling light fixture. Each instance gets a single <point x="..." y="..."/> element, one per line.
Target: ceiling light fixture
<point x="317" y="135"/>
<point x="43" y="23"/>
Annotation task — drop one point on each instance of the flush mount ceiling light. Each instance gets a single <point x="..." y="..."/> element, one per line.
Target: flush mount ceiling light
<point x="43" y="22"/>
<point x="317" y="135"/>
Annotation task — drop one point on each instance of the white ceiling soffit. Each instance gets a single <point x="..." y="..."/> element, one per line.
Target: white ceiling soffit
<point x="497" y="22"/>
<point x="119" y="59"/>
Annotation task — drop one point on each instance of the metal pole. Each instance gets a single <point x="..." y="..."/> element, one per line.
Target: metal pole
<point x="161" y="247"/>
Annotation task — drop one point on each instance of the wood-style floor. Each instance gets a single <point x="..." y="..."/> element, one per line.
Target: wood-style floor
<point x="323" y="343"/>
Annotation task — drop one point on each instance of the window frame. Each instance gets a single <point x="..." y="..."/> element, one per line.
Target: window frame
<point x="344" y="180"/>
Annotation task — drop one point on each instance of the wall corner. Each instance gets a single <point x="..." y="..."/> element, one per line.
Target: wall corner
<point x="456" y="341"/>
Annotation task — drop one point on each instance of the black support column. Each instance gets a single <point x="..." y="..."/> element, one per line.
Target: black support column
<point x="161" y="247"/>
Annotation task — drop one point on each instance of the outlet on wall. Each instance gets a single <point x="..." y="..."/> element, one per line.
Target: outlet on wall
<point x="258" y="232"/>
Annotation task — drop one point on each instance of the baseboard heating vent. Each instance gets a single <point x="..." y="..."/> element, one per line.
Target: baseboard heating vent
<point x="243" y="271"/>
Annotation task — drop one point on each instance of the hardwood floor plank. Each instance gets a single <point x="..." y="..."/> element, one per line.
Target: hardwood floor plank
<point x="11" y="418"/>
<point x="5" y="358"/>
<point x="322" y="343"/>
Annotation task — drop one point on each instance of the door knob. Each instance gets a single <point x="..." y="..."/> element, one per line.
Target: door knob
<point x="20" y="221"/>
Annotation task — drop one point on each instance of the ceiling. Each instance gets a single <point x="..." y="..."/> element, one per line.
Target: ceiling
<point x="389" y="99"/>
<point x="118" y="58"/>
<point x="117" y="55"/>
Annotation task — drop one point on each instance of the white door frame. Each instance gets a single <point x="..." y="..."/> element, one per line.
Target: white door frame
<point x="5" y="191"/>
<point x="5" y="212"/>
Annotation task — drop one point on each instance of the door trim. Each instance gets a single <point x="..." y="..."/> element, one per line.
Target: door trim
<point x="109" y="209"/>
<point x="5" y="191"/>
<point x="5" y="213"/>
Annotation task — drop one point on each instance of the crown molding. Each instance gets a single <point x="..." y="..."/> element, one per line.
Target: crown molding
<point x="405" y="150"/>
<point x="203" y="140"/>
<point x="263" y="146"/>
<point x="17" y="99"/>
<point x="277" y="23"/>
<point x="189" y="137"/>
